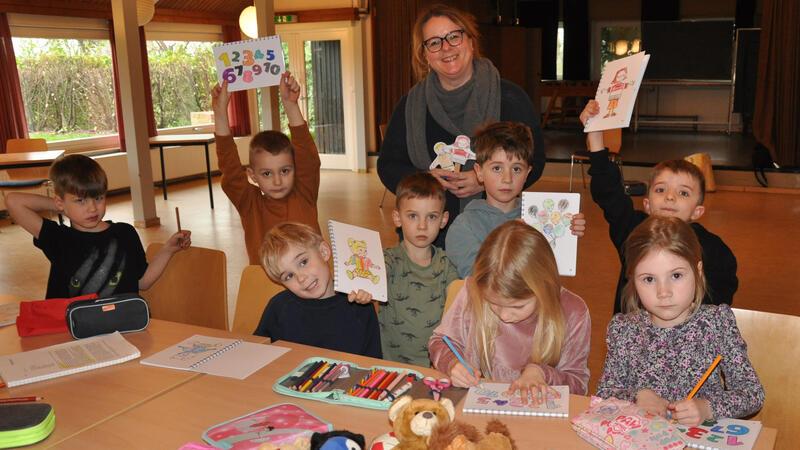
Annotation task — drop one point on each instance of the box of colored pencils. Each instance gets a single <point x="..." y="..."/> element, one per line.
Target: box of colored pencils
<point x="342" y="382"/>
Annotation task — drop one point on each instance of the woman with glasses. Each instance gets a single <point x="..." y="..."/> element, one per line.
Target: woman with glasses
<point x="458" y="91"/>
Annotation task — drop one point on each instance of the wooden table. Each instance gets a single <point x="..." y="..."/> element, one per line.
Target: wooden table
<point x="175" y="140"/>
<point x="182" y="414"/>
<point x="84" y="400"/>
<point x="563" y="89"/>
<point x="28" y="159"/>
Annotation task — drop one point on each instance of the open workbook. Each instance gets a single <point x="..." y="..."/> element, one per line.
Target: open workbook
<point x="492" y="398"/>
<point x="232" y="358"/>
<point x="66" y="359"/>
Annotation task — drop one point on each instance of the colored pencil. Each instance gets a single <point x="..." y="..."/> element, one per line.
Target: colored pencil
<point x="334" y="376"/>
<point x="321" y="379"/>
<point x="304" y="377"/>
<point x="458" y="355"/>
<point x="392" y="385"/>
<point x="178" y="217"/>
<point x="362" y="388"/>
<point x="313" y="376"/>
<point x="382" y="386"/>
<point x="373" y="384"/>
<point x="705" y="377"/>
<point x="20" y="399"/>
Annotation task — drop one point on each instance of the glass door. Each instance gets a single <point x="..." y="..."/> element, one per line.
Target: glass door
<point x="322" y="57"/>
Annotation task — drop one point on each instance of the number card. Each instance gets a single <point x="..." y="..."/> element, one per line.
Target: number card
<point x="250" y="64"/>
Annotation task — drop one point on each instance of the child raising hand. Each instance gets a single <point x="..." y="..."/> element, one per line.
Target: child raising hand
<point x="513" y="321"/>
<point x="660" y="349"/>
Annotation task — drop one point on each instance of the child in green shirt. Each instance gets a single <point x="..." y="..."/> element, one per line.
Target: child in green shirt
<point x="418" y="272"/>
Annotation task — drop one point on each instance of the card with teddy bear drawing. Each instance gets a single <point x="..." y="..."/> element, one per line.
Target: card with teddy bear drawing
<point x="357" y="260"/>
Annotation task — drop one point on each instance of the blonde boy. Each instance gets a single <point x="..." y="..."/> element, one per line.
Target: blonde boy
<point x="418" y="271"/>
<point x="309" y="311"/>
<point x="677" y="189"/>
<point x="285" y="173"/>
<point x="502" y="151"/>
<point x="91" y="256"/>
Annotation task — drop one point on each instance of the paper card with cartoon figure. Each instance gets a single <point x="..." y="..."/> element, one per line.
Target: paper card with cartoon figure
<point x="551" y="213"/>
<point x="453" y="156"/>
<point x="357" y="260"/>
<point x="617" y="91"/>
<point x="492" y="398"/>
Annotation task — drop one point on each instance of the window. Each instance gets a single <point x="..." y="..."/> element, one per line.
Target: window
<point x="66" y="76"/>
<point x="618" y="42"/>
<point x="560" y="52"/>
<point x="181" y="76"/>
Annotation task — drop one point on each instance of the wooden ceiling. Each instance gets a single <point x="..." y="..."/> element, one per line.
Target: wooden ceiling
<point x="196" y="11"/>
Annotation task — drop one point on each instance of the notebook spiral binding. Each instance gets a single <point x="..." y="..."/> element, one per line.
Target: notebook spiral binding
<point x="215" y="354"/>
<point x="335" y="257"/>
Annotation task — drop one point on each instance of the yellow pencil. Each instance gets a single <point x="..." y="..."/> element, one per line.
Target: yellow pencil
<point x="705" y="376"/>
<point x="178" y="217"/>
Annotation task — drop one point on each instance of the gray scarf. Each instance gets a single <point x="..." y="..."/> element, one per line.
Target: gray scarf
<point x="482" y="106"/>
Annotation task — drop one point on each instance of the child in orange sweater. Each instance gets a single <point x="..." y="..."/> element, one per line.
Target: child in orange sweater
<point x="286" y="172"/>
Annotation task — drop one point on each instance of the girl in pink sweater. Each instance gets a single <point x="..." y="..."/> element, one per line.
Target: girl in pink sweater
<point x="513" y="322"/>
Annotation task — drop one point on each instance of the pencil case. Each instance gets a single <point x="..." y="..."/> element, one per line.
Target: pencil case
<point x="124" y="313"/>
<point x="343" y="390"/>
<point x="25" y="423"/>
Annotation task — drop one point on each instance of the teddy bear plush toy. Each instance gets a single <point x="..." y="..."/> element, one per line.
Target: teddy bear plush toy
<point x="462" y="436"/>
<point x="413" y="420"/>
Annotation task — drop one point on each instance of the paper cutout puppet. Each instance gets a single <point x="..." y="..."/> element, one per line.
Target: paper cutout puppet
<point x="618" y="85"/>
<point x="363" y="266"/>
<point x="552" y="223"/>
<point x="453" y="156"/>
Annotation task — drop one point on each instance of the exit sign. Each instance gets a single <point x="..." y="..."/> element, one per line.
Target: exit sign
<point x="285" y="18"/>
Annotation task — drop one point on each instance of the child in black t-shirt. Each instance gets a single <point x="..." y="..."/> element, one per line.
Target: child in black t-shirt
<point x="91" y="255"/>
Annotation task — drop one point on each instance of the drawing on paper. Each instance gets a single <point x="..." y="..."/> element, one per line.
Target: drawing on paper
<point x="363" y="266"/>
<point x="615" y="90"/>
<point x="551" y="219"/>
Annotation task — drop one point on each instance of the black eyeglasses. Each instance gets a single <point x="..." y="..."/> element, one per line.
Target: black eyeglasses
<point x="434" y="44"/>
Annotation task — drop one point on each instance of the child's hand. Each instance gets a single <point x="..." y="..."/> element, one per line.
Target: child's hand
<point x="578" y="224"/>
<point x="594" y="138"/>
<point x="220" y="97"/>
<point x="289" y="88"/>
<point x="592" y="109"/>
<point x="691" y="412"/>
<point x="179" y="241"/>
<point x="361" y="296"/>
<point x="530" y="384"/>
<point x="461" y="377"/>
<point x="652" y="402"/>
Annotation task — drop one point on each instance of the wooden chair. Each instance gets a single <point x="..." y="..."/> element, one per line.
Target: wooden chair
<point x="612" y="140"/>
<point x="193" y="288"/>
<point x="24" y="179"/>
<point x="255" y="292"/>
<point x="452" y="291"/>
<point x="772" y="344"/>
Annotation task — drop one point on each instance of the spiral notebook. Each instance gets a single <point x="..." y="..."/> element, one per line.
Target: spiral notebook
<point x="357" y="260"/>
<point x="551" y="213"/>
<point x="492" y="398"/>
<point x="232" y="358"/>
<point x="66" y="359"/>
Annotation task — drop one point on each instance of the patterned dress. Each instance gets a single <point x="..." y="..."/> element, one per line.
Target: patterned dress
<point x="670" y="361"/>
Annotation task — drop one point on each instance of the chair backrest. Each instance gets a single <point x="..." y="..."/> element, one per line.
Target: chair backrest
<point x="255" y="291"/>
<point x="452" y="290"/>
<point x="772" y="344"/>
<point x="26" y="145"/>
<point x="193" y="288"/>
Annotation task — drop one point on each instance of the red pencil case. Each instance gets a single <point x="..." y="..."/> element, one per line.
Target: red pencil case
<point x="45" y="316"/>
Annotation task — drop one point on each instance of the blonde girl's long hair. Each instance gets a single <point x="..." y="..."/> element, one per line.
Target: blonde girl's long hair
<point x="516" y="262"/>
<point x="661" y="233"/>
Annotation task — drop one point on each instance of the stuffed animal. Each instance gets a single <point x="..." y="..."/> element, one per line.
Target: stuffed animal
<point x="337" y="440"/>
<point x="413" y="420"/>
<point x="462" y="436"/>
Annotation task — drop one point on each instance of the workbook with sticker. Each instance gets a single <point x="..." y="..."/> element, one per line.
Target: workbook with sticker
<point x="493" y="398"/>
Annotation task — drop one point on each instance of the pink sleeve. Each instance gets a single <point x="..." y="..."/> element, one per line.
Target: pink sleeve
<point x="455" y="325"/>
<point x="572" y="368"/>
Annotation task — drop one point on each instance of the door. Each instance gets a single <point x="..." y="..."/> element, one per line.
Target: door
<point x="326" y="60"/>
